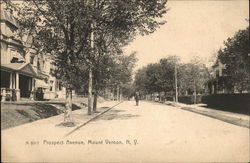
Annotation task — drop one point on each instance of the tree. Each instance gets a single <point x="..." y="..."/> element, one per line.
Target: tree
<point x="121" y="71"/>
<point x="168" y="73"/>
<point x="140" y="82"/>
<point x="115" y="23"/>
<point x="235" y="56"/>
<point x="192" y="77"/>
<point x="157" y="77"/>
<point x="128" y="90"/>
<point x="153" y="78"/>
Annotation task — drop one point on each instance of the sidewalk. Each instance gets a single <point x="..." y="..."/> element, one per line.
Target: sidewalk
<point x="229" y="117"/>
<point x="50" y="128"/>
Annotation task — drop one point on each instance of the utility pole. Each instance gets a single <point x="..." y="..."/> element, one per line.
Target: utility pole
<point x="113" y="93"/>
<point x="120" y="94"/>
<point x="176" y="87"/>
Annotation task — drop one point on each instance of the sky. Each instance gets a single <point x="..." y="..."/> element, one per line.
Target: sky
<point x="193" y="28"/>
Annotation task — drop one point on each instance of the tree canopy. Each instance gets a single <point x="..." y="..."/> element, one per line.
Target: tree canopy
<point x="235" y="57"/>
<point x="157" y="77"/>
<point x="160" y="77"/>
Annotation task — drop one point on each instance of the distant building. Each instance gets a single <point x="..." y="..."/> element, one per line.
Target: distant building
<point x="217" y="84"/>
<point x="22" y="71"/>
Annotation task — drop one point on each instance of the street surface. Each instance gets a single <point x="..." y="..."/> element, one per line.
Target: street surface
<point x="150" y="132"/>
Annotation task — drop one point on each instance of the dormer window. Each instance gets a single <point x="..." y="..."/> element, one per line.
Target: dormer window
<point x="16" y="60"/>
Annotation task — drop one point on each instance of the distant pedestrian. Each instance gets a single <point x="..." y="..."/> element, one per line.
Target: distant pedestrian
<point x="137" y="97"/>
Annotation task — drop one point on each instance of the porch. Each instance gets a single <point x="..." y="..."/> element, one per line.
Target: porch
<point x="17" y="81"/>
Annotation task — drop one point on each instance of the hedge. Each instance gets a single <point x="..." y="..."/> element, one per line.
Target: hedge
<point x="237" y="103"/>
<point x="189" y="99"/>
<point x="186" y="99"/>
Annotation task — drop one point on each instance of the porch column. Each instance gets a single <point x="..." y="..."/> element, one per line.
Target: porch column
<point x="33" y="84"/>
<point x="54" y="86"/>
<point x="32" y="93"/>
<point x="17" y="80"/>
<point x="17" y="87"/>
<point x="13" y="80"/>
<point x="10" y="81"/>
<point x="29" y="84"/>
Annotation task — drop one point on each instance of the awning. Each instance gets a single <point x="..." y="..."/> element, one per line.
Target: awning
<point x="41" y="84"/>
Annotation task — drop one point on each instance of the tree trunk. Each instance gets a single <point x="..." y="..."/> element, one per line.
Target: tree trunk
<point x="195" y="93"/>
<point x="117" y="95"/>
<point x="68" y="104"/>
<point x="95" y="102"/>
<point x="90" y="92"/>
<point x="176" y="84"/>
<point x="113" y="94"/>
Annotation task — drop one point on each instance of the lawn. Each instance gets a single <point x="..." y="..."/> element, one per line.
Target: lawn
<point x="18" y="113"/>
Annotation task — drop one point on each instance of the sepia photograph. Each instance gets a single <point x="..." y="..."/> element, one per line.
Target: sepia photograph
<point x="125" y="81"/>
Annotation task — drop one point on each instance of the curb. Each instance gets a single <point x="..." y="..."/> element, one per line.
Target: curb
<point x="95" y="117"/>
<point x="235" y="121"/>
<point x="228" y="119"/>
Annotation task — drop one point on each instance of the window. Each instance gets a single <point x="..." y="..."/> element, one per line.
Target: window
<point x="51" y="85"/>
<point x="60" y="86"/>
<point x="43" y="65"/>
<point x="32" y="59"/>
<point x="217" y="73"/>
<point x="51" y="71"/>
<point x="38" y="65"/>
<point x="224" y="72"/>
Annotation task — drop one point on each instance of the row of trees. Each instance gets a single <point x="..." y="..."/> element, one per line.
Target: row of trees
<point x="168" y="73"/>
<point x="193" y="77"/>
<point x="86" y="36"/>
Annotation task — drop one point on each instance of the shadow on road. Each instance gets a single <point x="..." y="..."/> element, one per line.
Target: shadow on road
<point x="116" y="114"/>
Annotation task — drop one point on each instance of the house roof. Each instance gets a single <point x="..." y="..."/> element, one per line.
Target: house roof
<point x="13" y="66"/>
<point x="22" y="68"/>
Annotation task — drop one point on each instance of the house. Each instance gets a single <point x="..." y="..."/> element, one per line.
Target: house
<point x="216" y="85"/>
<point x="23" y="72"/>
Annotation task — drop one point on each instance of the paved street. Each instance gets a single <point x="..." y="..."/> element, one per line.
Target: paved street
<point x="151" y="132"/>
